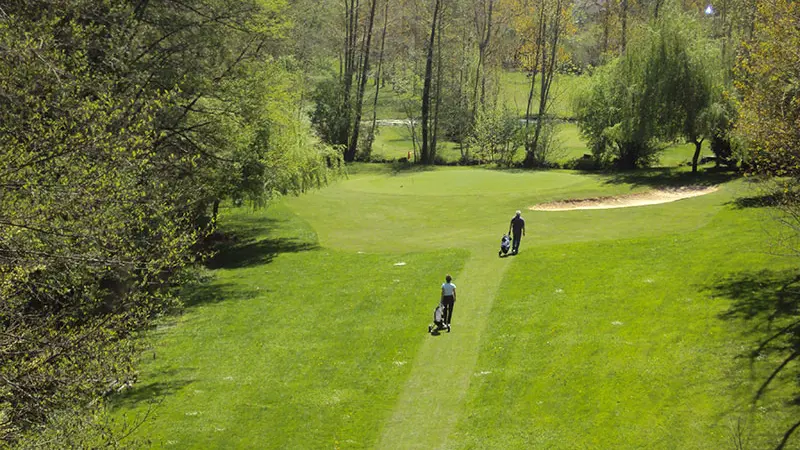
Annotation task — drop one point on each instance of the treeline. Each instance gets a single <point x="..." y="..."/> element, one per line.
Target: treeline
<point x="123" y="125"/>
<point x="659" y="71"/>
<point x="442" y="60"/>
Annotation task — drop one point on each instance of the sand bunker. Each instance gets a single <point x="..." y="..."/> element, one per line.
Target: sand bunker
<point x="624" y="201"/>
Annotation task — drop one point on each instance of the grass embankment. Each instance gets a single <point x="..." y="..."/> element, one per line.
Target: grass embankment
<point x="622" y="328"/>
<point x="291" y="345"/>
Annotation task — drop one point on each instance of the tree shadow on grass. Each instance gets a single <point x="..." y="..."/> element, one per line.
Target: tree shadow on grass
<point x="209" y="292"/>
<point x="251" y="243"/>
<point x="256" y="252"/>
<point x="758" y="201"/>
<point x="176" y="379"/>
<point x="664" y="178"/>
<point x="767" y="305"/>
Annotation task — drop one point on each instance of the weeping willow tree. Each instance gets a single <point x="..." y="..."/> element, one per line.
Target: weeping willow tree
<point x="667" y="86"/>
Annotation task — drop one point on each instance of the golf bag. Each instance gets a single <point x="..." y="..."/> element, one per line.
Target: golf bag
<point x="438" y="319"/>
<point x="505" y="245"/>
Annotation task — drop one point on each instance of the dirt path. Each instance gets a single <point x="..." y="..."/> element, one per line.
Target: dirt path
<point x="432" y="400"/>
<point x="653" y="197"/>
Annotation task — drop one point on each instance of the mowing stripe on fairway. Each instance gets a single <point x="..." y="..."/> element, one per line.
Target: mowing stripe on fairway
<point x="431" y="402"/>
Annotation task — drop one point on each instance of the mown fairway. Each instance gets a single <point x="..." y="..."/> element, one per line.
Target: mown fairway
<point x="621" y="328"/>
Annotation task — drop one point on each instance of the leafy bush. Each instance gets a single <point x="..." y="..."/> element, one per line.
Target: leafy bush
<point x="331" y="112"/>
<point x="493" y="137"/>
<point x="547" y="145"/>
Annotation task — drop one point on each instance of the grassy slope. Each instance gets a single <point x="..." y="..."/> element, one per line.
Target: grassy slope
<point x="619" y="343"/>
<point x="515" y="88"/>
<point x="291" y="345"/>
<point x="296" y="345"/>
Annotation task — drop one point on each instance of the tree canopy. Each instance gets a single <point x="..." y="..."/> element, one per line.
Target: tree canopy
<point x="122" y="127"/>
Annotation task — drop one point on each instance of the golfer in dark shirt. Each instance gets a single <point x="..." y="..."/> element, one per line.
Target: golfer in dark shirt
<point x="518" y="226"/>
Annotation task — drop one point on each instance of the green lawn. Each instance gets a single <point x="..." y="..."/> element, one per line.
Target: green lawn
<point x="513" y="92"/>
<point x="618" y="328"/>
<point x="393" y="142"/>
<point x="515" y="88"/>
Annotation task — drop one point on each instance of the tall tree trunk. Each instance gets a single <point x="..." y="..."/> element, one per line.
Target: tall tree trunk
<point x="425" y="156"/>
<point x="438" y="94"/>
<point x="480" y="72"/>
<point x="351" y="38"/>
<point x="606" y="24"/>
<point x="380" y="67"/>
<point x="351" y="149"/>
<point x="542" y="98"/>
<point x="535" y="68"/>
<point x="624" y="18"/>
<point x="548" y="72"/>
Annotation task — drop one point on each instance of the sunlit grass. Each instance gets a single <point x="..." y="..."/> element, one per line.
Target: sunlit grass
<point x="617" y="328"/>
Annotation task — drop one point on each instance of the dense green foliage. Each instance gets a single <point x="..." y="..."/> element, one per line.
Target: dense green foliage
<point x="668" y="85"/>
<point x="122" y="125"/>
<point x="494" y="136"/>
<point x="769" y="81"/>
